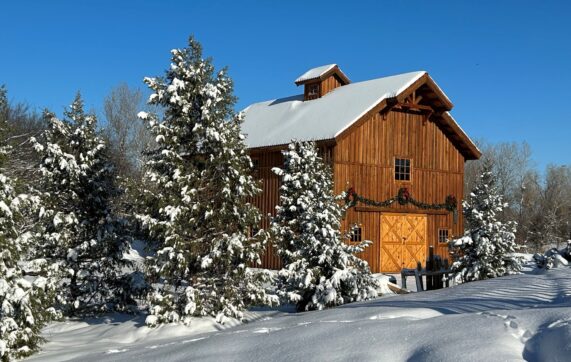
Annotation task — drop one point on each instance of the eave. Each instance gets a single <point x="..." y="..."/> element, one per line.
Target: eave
<point x="334" y="70"/>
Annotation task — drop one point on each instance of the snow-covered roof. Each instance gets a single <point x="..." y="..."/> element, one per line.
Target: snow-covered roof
<point x="278" y="121"/>
<point x="315" y="73"/>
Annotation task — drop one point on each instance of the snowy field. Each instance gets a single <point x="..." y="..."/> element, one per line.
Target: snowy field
<point x="520" y="317"/>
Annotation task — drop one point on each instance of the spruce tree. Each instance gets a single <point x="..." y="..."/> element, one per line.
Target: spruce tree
<point x="487" y="248"/>
<point x="320" y="269"/>
<point x="197" y="212"/>
<point x="24" y="303"/>
<point x="79" y="230"/>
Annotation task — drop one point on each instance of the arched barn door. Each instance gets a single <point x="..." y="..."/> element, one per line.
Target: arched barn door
<point x="403" y="241"/>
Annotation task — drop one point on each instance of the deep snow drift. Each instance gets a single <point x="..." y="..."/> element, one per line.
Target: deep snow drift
<point x="525" y="316"/>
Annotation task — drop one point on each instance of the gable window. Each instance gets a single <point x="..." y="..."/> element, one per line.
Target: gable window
<point x="443" y="236"/>
<point x="356" y="235"/>
<point x="402" y="169"/>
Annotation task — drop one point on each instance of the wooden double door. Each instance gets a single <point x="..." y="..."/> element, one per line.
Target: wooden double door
<point x="403" y="241"/>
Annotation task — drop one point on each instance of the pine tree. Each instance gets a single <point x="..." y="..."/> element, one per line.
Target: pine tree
<point x="320" y="269"/>
<point x="197" y="205"/>
<point x="80" y="231"/>
<point x="486" y="249"/>
<point x="24" y="303"/>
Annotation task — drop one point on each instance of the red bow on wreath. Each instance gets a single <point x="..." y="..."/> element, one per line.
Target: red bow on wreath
<point x="451" y="202"/>
<point x="403" y="195"/>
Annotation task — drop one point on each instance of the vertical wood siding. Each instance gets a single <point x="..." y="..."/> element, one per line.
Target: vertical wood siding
<point x="267" y="200"/>
<point x="329" y="84"/>
<point x="364" y="159"/>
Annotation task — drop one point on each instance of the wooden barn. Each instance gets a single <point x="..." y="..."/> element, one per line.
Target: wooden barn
<point x="392" y="144"/>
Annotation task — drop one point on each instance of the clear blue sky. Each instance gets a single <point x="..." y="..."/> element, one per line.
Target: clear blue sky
<point x="506" y="65"/>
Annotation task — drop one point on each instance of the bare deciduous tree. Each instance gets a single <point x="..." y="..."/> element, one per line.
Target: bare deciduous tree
<point x="21" y="123"/>
<point x="127" y="134"/>
<point x="540" y="203"/>
<point x="554" y="214"/>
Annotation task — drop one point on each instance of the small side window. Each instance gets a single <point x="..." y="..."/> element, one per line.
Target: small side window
<point x="402" y="169"/>
<point x="253" y="231"/>
<point x="443" y="235"/>
<point x="256" y="168"/>
<point x="356" y="236"/>
<point x="313" y="90"/>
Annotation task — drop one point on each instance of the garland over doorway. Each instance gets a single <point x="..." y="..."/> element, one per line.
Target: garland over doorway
<point x="352" y="198"/>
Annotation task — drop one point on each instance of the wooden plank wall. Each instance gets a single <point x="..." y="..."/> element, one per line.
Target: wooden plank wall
<point x="364" y="160"/>
<point x="370" y="223"/>
<point x="266" y="202"/>
<point x="330" y="83"/>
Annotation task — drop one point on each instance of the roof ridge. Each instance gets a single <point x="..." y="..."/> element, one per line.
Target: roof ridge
<point x="350" y="85"/>
<point x="315" y="72"/>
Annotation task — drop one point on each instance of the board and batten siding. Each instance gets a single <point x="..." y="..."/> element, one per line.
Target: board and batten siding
<point x="363" y="158"/>
<point x="329" y="84"/>
<point x="267" y="200"/>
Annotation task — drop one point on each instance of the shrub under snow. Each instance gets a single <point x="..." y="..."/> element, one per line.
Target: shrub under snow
<point x="553" y="258"/>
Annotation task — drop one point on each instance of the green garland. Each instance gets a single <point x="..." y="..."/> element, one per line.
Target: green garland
<point x="403" y="197"/>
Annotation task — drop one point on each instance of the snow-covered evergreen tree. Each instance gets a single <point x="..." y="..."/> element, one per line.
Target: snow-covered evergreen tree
<point x="487" y="248"/>
<point x="197" y="208"/>
<point x="320" y="269"/>
<point x="24" y="303"/>
<point x="80" y="231"/>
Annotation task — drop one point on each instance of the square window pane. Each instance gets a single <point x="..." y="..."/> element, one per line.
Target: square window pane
<point x="402" y="169"/>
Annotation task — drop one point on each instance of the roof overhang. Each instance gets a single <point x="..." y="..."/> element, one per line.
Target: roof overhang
<point x="333" y="70"/>
<point x="441" y="116"/>
<point x="466" y="146"/>
<point x="441" y="100"/>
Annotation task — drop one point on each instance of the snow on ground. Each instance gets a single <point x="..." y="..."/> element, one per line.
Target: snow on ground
<point x="116" y="333"/>
<point x="518" y="317"/>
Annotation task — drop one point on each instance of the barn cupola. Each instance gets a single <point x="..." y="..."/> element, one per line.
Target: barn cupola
<point x="321" y="80"/>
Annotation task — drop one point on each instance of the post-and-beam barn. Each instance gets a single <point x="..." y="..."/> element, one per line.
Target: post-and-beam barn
<point x="385" y="138"/>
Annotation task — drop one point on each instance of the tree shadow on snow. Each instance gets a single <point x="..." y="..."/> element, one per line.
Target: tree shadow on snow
<point x="550" y="343"/>
<point x="115" y="319"/>
<point x="492" y="294"/>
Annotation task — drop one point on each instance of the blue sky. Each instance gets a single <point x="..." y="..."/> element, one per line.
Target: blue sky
<point x="506" y="65"/>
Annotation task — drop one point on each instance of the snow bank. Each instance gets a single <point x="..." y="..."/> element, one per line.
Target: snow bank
<point x="117" y="333"/>
<point x="526" y="316"/>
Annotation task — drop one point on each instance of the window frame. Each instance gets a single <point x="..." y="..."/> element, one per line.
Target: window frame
<point x="316" y="87"/>
<point x="255" y="167"/>
<point x="410" y="167"/>
<point x="253" y="230"/>
<point x="448" y="235"/>
<point x="357" y="234"/>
